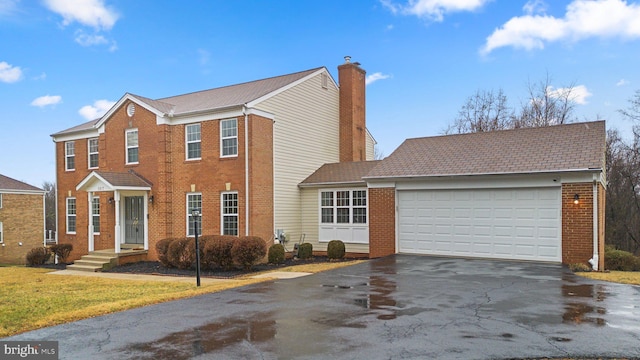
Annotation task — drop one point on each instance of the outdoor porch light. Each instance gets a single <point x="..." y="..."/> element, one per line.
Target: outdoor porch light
<point x="576" y="199"/>
<point x="151" y="199"/>
<point x="110" y="200"/>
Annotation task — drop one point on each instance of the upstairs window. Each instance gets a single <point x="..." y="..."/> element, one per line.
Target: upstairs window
<point x="132" y="146"/>
<point x="71" y="215"/>
<point x="93" y="153"/>
<point x="230" y="213"/>
<point x="70" y="155"/>
<point x="229" y="137"/>
<point x="193" y="138"/>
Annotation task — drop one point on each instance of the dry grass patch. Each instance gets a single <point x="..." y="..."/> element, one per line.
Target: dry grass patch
<point x="31" y="299"/>
<point x="623" y="277"/>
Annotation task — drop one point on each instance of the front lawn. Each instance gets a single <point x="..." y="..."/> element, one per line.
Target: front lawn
<point x="30" y="299"/>
<point x="623" y="277"/>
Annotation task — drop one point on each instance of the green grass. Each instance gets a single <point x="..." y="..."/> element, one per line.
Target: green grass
<point x="31" y="299"/>
<point x="623" y="277"/>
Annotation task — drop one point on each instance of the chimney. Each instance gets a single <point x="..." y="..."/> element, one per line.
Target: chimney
<point x="352" y="111"/>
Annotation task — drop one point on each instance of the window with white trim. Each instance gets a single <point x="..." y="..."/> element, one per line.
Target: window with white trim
<point x="1" y="233"/>
<point x="230" y="213"/>
<point x="70" y="155"/>
<point x="194" y="203"/>
<point x="71" y="215"/>
<point x="132" y="146"/>
<point x="92" y="145"/>
<point x="343" y="207"/>
<point x="193" y="138"/>
<point x="95" y="214"/>
<point x="229" y="137"/>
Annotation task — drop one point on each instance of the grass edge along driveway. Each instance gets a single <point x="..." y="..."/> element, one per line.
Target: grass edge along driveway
<point x="30" y="299"/>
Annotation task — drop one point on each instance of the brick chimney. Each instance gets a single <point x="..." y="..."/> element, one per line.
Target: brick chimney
<point x="352" y="111"/>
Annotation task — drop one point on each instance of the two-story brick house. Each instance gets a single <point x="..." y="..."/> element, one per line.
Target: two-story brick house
<point x="21" y="219"/>
<point x="236" y="154"/>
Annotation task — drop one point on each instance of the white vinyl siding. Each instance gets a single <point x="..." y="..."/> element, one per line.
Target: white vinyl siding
<point x="70" y="155"/>
<point x="306" y="136"/>
<point x="131" y="138"/>
<point x="92" y="145"/>
<point x="370" y="146"/>
<point x="310" y="201"/>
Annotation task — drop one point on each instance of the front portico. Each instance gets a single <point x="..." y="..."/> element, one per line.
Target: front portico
<point x="129" y="196"/>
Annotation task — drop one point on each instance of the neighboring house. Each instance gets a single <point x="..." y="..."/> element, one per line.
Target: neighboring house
<point x="526" y="194"/>
<point x="21" y="220"/>
<point x="236" y="154"/>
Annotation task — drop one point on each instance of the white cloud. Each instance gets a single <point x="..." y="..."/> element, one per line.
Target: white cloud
<point x="46" y="100"/>
<point x="583" y="19"/>
<point x="433" y="9"/>
<point x="375" y="77"/>
<point x="8" y="7"/>
<point x="578" y="93"/>
<point x="92" y="13"/>
<point x="99" y="108"/>
<point x="89" y="40"/>
<point x="389" y="27"/>
<point x="622" y="82"/>
<point x="534" y="7"/>
<point x="9" y="74"/>
<point x="42" y="76"/>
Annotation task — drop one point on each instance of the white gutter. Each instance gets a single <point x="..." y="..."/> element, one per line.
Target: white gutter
<point x="246" y="169"/>
<point x="594" y="260"/>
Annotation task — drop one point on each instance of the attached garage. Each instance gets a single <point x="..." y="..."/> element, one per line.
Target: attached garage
<point x="534" y="194"/>
<point x="512" y="223"/>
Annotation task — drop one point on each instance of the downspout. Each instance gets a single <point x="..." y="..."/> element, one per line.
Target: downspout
<point x="595" y="259"/>
<point x="44" y="213"/>
<point x="246" y="169"/>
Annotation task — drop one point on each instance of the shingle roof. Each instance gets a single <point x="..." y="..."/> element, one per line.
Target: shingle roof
<point x="578" y="146"/>
<point x="344" y="172"/>
<point x="7" y="183"/>
<point x="210" y="100"/>
<point x="124" y="179"/>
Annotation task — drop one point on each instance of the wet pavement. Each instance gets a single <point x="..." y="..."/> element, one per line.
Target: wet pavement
<point x="399" y="307"/>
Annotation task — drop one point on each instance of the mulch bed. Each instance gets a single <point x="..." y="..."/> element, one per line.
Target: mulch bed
<point x="154" y="267"/>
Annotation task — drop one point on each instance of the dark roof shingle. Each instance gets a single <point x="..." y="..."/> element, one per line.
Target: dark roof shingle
<point x="124" y="179"/>
<point x="578" y="146"/>
<point x="343" y="172"/>
<point x="7" y="183"/>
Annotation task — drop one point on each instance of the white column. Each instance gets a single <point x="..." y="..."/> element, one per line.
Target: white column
<point x="146" y="221"/>
<point x="118" y="235"/>
<point x="90" y="227"/>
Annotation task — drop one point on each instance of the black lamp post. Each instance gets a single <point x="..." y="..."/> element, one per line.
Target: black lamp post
<point x="196" y="214"/>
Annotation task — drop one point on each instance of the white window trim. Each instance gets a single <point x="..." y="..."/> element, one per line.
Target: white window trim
<point x="187" y="142"/>
<point x="188" y="213"/>
<point x="89" y="153"/>
<point x="222" y="214"/>
<point x="94" y="215"/>
<point x="127" y="147"/>
<point x="1" y="233"/>
<point x="67" y="215"/>
<point x="222" y="138"/>
<point x="335" y="207"/>
<point x="67" y="156"/>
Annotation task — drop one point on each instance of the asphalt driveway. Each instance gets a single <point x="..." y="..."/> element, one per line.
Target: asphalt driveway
<point x="392" y="308"/>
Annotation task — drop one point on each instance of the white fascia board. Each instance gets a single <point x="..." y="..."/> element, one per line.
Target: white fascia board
<point x="289" y="86"/>
<point x="119" y="103"/>
<point x="381" y="184"/>
<point x="349" y="184"/>
<point x="375" y="142"/>
<point x="22" y="192"/>
<point x="85" y="134"/>
<point x="482" y="182"/>
<point x="449" y="176"/>
<point x="91" y="182"/>
<point x="234" y="112"/>
<point x="261" y="113"/>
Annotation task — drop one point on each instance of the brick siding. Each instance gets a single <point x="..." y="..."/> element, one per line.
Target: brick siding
<point x="22" y="218"/>
<point x="577" y="223"/>
<point x="382" y="224"/>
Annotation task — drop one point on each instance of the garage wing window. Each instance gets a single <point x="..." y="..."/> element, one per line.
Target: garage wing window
<point x="343" y="207"/>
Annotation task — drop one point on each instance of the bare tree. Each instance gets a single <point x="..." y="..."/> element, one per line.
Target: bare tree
<point x="546" y="106"/>
<point x="377" y="153"/>
<point x="50" y="205"/>
<point x="483" y="111"/>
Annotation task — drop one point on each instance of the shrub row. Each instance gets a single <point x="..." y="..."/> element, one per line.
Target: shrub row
<point x="335" y="251"/>
<point x="220" y="251"/>
<point x="620" y="260"/>
<point x="40" y="255"/>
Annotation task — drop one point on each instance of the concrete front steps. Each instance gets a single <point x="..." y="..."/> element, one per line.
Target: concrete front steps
<point x="100" y="260"/>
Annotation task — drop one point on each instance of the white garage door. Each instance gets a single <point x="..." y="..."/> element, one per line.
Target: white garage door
<point x="493" y="223"/>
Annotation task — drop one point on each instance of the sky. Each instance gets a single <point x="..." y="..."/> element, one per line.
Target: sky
<point x="64" y="62"/>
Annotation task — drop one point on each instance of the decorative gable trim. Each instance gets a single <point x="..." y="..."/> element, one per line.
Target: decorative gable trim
<point x="127" y="97"/>
<point x="253" y="103"/>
